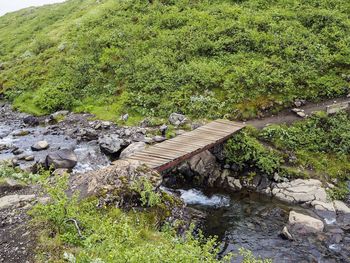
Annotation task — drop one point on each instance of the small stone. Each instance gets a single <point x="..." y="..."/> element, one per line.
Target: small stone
<point x="177" y="119"/>
<point x="29" y="158"/>
<point x="301" y="114"/>
<point x="59" y="115"/>
<point x="297" y="103"/>
<point x="9" y="183"/>
<point x="20" y="133"/>
<point x="64" y="158"/>
<point x="39" y="146"/>
<point x="285" y="234"/>
<point x="124" y="117"/>
<point x="296" y="110"/>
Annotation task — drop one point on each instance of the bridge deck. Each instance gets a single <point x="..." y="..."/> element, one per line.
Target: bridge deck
<point x="169" y="153"/>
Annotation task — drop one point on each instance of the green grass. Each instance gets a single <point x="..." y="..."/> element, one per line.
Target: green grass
<point x="206" y="59"/>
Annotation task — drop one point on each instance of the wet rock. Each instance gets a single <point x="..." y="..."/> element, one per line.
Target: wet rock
<point x="65" y="159"/>
<point x="324" y="210"/>
<point x="177" y="119"/>
<point x="14" y="162"/>
<point x="159" y="138"/>
<point x="39" y="146"/>
<point x="301" y="224"/>
<point x="163" y="129"/>
<point x="341" y="207"/>
<point x="19" y="133"/>
<point x="3" y="147"/>
<point x="117" y="178"/>
<point x="300" y="191"/>
<point x="12" y="200"/>
<point x="132" y="148"/>
<point x="111" y="143"/>
<point x="285" y="234"/>
<point x="31" y="121"/>
<point x="233" y="184"/>
<point x="17" y="151"/>
<point x="87" y="134"/>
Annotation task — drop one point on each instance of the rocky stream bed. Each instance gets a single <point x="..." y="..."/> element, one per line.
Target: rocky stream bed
<point x="287" y="221"/>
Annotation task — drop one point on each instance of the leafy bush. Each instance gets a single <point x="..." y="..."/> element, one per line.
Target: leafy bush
<point x="247" y="152"/>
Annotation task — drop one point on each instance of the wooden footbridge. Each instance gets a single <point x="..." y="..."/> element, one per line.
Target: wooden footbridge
<point x="169" y="153"/>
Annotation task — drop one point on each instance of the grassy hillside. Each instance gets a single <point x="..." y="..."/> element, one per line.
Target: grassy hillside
<point x="204" y="58"/>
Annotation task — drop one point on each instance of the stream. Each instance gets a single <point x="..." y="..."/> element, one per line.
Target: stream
<point x="253" y="221"/>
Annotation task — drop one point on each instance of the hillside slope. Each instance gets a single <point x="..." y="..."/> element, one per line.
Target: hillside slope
<point x="204" y="58"/>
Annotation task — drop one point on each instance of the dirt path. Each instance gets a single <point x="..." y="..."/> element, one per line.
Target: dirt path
<point x="287" y="116"/>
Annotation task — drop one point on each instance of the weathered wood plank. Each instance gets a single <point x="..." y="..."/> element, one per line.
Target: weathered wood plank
<point x="171" y="152"/>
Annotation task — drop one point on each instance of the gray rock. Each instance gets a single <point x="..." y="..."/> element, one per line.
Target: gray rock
<point x="297" y="103"/>
<point x="9" y="183"/>
<point x="300" y="191"/>
<point x="301" y="224"/>
<point x="132" y="148"/>
<point x="111" y="143"/>
<point x="29" y="158"/>
<point x="158" y="138"/>
<point x="59" y="114"/>
<point x="19" y="133"/>
<point x="285" y="234"/>
<point x="31" y="121"/>
<point x="12" y="200"/>
<point x="301" y="114"/>
<point x="124" y="117"/>
<point x="117" y="178"/>
<point x="341" y="207"/>
<point x="17" y="151"/>
<point x="177" y="119"/>
<point x="39" y="146"/>
<point x="163" y="129"/>
<point x="88" y="134"/>
<point x="64" y="159"/>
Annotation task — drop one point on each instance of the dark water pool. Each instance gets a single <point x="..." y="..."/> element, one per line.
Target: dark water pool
<point x="254" y="222"/>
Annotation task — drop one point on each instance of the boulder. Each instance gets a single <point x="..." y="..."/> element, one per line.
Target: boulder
<point x="341" y="207"/>
<point x="61" y="159"/>
<point x="205" y="165"/>
<point x="300" y="224"/>
<point x="39" y="146"/>
<point x="300" y="191"/>
<point x="31" y="121"/>
<point x="111" y="143"/>
<point x="132" y="148"/>
<point x="115" y="180"/>
<point x="285" y="234"/>
<point x="177" y="119"/>
<point x="301" y="114"/>
<point x="9" y="183"/>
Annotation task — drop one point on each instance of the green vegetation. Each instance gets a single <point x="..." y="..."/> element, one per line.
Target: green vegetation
<point x="7" y="171"/>
<point x="79" y="230"/>
<point x="206" y="58"/>
<point x="318" y="147"/>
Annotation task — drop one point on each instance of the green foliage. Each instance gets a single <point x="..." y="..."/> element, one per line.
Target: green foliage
<point x="202" y="58"/>
<point x="247" y="152"/>
<point x="249" y="258"/>
<point x="341" y="191"/>
<point x="316" y="147"/>
<point x="145" y="189"/>
<point x="78" y="230"/>
<point x="7" y="171"/>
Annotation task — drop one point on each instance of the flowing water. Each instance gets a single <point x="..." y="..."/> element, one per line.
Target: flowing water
<point x="254" y="222"/>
